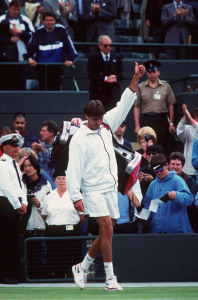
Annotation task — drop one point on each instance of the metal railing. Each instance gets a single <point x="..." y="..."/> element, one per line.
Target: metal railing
<point x="72" y="69"/>
<point x="184" y="81"/>
<point x="49" y="259"/>
<point x="134" y="47"/>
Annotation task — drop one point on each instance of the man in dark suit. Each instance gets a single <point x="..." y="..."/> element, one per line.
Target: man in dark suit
<point x="98" y="16"/>
<point x="105" y="73"/>
<point x="177" y="17"/>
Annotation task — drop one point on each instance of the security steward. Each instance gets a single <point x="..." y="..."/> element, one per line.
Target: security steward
<point x="13" y="203"/>
<point x="155" y="100"/>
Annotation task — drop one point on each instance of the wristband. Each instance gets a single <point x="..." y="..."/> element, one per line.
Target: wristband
<point x="171" y="124"/>
<point x="193" y="122"/>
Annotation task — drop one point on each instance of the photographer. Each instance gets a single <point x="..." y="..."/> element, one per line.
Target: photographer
<point x="146" y="136"/>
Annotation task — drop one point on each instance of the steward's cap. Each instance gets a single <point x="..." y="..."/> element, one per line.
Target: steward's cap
<point x="13" y="139"/>
<point x="58" y="172"/>
<point x="152" y="65"/>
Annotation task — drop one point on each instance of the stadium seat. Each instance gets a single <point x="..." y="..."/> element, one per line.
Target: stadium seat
<point x="136" y="4"/>
<point x="129" y="39"/>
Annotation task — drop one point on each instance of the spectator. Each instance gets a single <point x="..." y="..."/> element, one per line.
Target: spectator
<point x="177" y="18"/>
<point x="3" y="6"/>
<point x="13" y="204"/>
<point x="15" y="32"/>
<point x="98" y="17"/>
<point x="146" y="136"/>
<point x="176" y="163"/>
<point x="79" y="27"/>
<point x="146" y="174"/>
<point x="19" y="122"/>
<point x="32" y="224"/>
<point x="187" y="134"/>
<point x="51" y="44"/>
<point x="171" y="217"/>
<point x="124" y="9"/>
<point x="5" y="130"/>
<point x="144" y="30"/>
<point x="34" y="11"/>
<point x="127" y="204"/>
<point x="194" y="5"/>
<point x="195" y="157"/>
<point x="43" y="149"/>
<point x="92" y="176"/>
<point x="65" y="12"/>
<point x="153" y="22"/>
<point x="119" y="133"/>
<point x="155" y="100"/>
<point x="105" y="73"/>
<point x="23" y="154"/>
<point x="61" y="220"/>
<point x="36" y="187"/>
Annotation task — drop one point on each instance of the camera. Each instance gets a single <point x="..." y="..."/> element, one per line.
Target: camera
<point x="148" y="137"/>
<point x="30" y="196"/>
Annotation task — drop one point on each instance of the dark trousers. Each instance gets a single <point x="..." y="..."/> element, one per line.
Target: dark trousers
<point x="178" y="53"/>
<point x="49" y="77"/>
<point x="9" y="248"/>
<point x="125" y="228"/>
<point x="109" y="97"/>
<point x="13" y="77"/>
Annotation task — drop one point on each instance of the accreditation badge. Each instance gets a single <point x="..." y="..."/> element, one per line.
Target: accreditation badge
<point x="157" y="96"/>
<point x="69" y="227"/>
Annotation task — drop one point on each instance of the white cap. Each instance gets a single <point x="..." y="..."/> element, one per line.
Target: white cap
<point x="13" y="139"/>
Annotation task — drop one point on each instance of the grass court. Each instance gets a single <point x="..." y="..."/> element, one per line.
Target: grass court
<point x="98" y="293"/>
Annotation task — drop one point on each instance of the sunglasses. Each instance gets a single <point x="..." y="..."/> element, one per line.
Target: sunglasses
<point x="107" y="45"/>
<point x="152" y="152"/>
<point x="158" y="170"/>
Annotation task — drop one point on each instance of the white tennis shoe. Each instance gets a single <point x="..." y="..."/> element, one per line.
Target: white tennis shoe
<point x="80" y="276"/>
<point x="112" y="284"/>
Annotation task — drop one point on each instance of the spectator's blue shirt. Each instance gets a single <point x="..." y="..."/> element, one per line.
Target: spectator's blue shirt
<point x="29" y="138"/>
<point x="171" y="217"/>
<point x="44" y="159"/>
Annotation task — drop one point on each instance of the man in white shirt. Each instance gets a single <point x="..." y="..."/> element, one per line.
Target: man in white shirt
<point x="13" y="203"/>
<point x="92" y="177"/>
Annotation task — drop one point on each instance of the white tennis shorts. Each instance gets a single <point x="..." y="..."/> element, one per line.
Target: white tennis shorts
<point x="101" y="204"/>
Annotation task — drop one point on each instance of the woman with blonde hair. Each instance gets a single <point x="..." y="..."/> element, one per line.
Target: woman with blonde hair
<point x="146" y="136"/>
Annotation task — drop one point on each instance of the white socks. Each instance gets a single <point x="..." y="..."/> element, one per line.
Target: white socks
<point x="87" y="261"/>
<point x="108" y="266"/>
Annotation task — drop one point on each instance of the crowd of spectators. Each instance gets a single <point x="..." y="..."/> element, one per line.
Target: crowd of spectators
<point x="40" y="178"/>
<point x="26" y="34"/>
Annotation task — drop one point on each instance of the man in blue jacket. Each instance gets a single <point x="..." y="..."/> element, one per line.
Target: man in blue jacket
<point x="171" y="217"/>
<point x="51" y="44"/>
